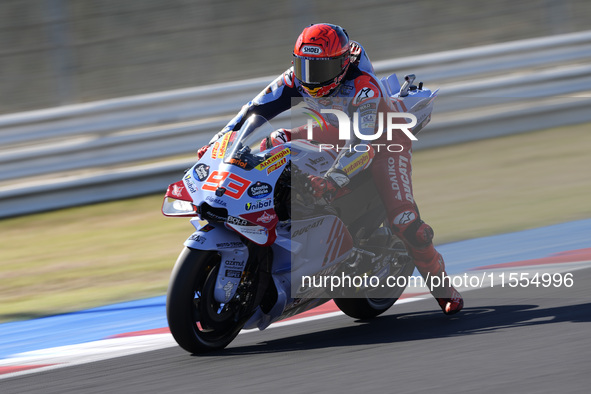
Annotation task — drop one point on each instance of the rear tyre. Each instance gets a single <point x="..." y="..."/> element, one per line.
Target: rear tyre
<point x="366" y="308"/>
<point x="197" y="321"/>
<point x="373" y="303"/>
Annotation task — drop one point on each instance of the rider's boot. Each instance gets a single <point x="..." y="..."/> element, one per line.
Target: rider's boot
<point x="430" y="265"/>
<point x="418" y="237"/>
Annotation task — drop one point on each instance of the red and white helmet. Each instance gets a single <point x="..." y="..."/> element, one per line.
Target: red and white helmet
<point x="321" y="58"/>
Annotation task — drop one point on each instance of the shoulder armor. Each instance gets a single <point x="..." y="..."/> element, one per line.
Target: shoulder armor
<point x="365" y="89"/>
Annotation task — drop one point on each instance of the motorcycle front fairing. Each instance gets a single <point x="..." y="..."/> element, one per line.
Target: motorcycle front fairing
<point x="234" y="181"/>
<point x="231" y="187"/>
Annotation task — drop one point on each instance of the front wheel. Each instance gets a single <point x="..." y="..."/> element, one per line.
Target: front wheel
<point x="197" y="321"/>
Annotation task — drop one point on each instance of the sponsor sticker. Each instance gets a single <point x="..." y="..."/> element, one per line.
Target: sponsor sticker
<point x="177" y="190"/>
<point x="234" y="263"/>
<point x="358" y="163"/>
<point x="405" y="217"/>
<point x="259" y="190"/>
<point x="215" y="200"/>
<point x="367" y="107"/>
<point x="237" y="162"/>
<point x="273" y="159"/>
<point x="236" y="221"/>
<point x="219" y="149"/>
<point x="233" y="274"/>
<point x="255" y="206"/>
<point x="307" y="228"/>
<point x="198" y="238"/>
<point x="190" y="184"/>
<point x="214" y="150"/>
<point x="311" y="50"/>
<point x="276" y="166"/>
<point x="364" y="94"/>
<point x="202" y="171"/>
<point x="266" y="217"/>
<point x="229" y="245"/>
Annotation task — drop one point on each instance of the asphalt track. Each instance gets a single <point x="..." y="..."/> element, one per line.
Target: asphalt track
<point x="506" y="340"/>
<point x="522" y="339"/>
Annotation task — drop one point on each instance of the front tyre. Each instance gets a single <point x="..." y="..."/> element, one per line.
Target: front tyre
<point x="197" y="321"/>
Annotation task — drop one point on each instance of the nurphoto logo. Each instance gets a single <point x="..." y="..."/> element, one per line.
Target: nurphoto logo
<point x="388" y="122"/>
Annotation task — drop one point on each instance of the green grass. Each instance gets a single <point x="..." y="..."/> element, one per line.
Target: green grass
<point x="88" y="256"/>
<point x="505" y="184"/>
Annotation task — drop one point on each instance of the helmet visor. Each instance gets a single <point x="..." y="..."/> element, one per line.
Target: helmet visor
<point x="318" y="70"/>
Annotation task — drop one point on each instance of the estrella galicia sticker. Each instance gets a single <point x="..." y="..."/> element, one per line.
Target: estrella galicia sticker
<point x="259" y="190"/>
<point x="202" y="171"/>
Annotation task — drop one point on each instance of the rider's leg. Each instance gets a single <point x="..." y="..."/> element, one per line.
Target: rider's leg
<point x="418" y="237"/>
<point x="392" y="175"/>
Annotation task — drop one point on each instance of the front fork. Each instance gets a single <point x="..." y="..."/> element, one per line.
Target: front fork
<point x="234" y="256"/>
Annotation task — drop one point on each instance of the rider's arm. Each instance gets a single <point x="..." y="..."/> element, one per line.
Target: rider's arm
<point x="273" y="100"/>
<point x="358" y="152"/>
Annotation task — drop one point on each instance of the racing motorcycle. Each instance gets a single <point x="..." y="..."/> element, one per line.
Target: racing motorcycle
<point x="263" y="243"/>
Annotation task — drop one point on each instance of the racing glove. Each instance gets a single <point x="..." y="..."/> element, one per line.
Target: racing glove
<point x="321" y="187"/>
<point x="278" y="137"/>
<point x="328" y="185"/>
<point x="202" y="151"/>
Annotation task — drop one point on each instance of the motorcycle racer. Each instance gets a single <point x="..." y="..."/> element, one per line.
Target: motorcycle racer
<point x="332" y="72"/>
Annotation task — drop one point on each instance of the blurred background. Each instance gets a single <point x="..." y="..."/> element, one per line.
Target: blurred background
<point x="56" y="52"/>
<point x="108" y="100"/>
